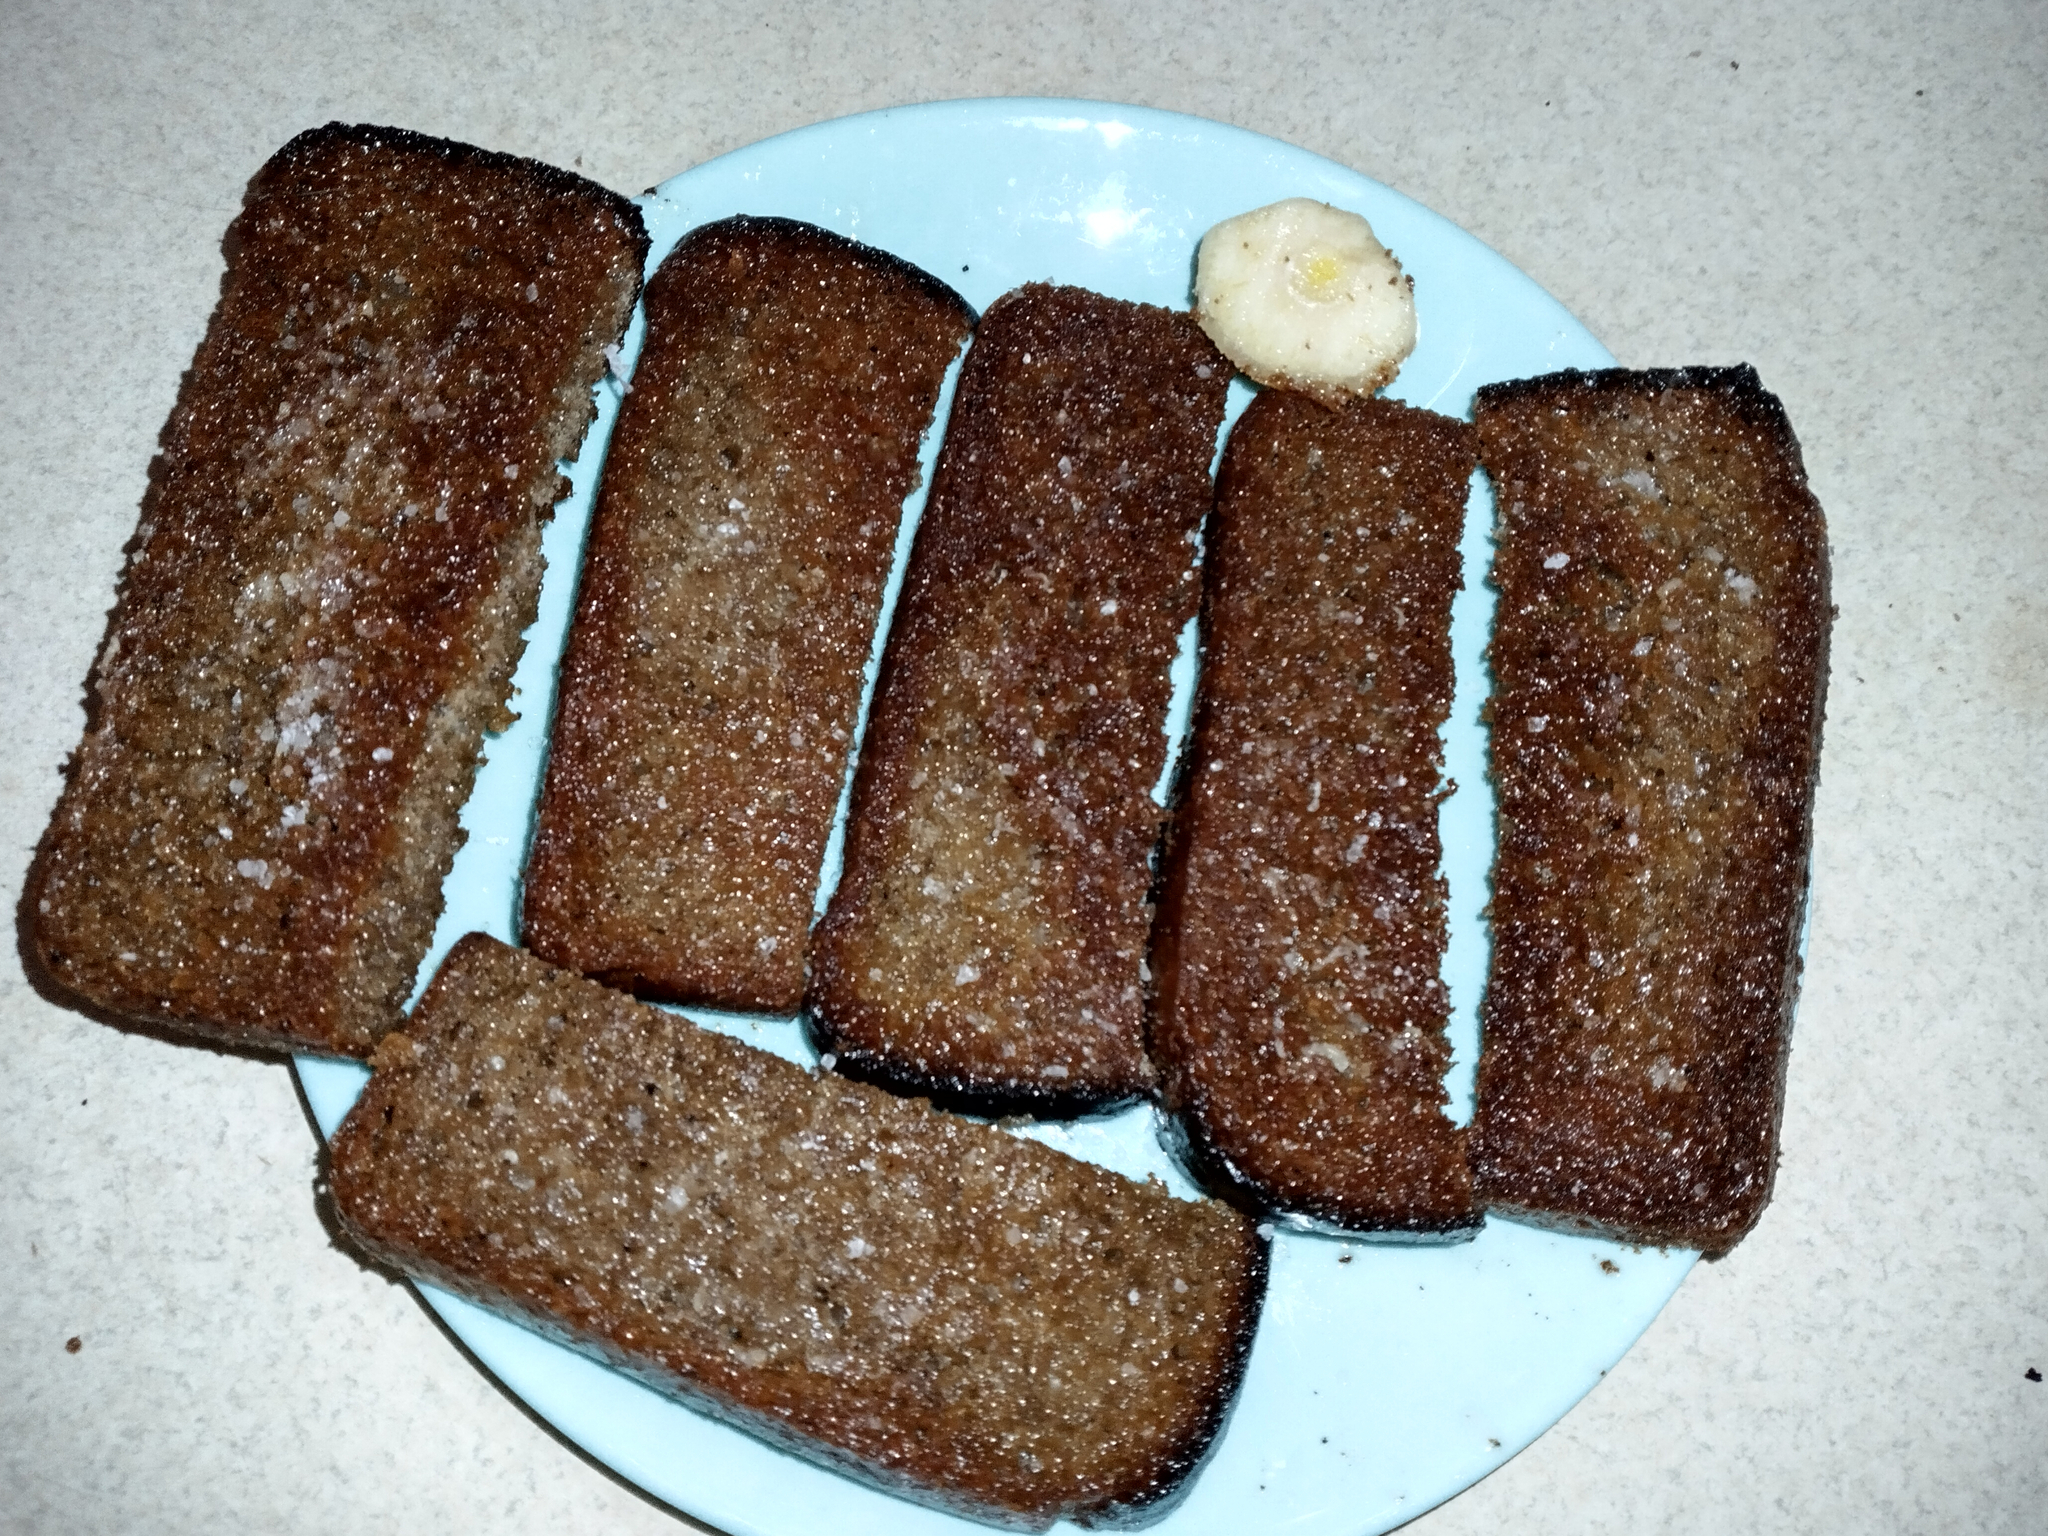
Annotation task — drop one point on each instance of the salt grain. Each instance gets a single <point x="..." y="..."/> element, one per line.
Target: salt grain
<point x="1557" y="562"/>
<point x="1334" y="1055"/>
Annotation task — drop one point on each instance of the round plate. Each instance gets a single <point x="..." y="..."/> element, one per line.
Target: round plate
<point x="1384" y="1379"/>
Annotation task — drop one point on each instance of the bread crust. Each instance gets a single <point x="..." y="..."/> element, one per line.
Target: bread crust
<point x="323" y="603"/>
<point x="1297" y="1019"/>
<point x="986" y="940"/>
<point x="1661" y="666"/>
<point x="730" y="590"/>
<point x="961" y="1317"/>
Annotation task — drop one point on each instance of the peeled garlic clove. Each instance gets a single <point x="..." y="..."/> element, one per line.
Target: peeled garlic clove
<point x="1302" y="296"/>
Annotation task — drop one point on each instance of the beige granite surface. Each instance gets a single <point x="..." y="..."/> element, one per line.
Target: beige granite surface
<point x="1855" y="199"/>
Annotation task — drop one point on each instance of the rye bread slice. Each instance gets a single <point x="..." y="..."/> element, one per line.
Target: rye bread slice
<point x="730" y="590"/>
<point x="1661" y="668"/>
<point x="960" y="1316"/>
<point x="986" y="940"/>
<point x="1298" y="1020"/>
<point x="322" y="608"/>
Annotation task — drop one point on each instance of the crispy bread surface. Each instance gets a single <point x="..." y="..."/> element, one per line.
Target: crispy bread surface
<point x="961" y="1316"/>
<point x="734" y="574"/>
<point x="323" y="604"/>
<point x="1298" y="1020"/>
<point x="986" y="940"/>
<point x="1661" y="665"/>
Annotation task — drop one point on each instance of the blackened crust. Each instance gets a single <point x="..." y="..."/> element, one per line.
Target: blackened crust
<point x="1187" y="1138"/>
<point x="541" y="176"/>
<point x="750" y="227"/>
<point x="990" y="1098"/>
<point x="1158" y="1495"/>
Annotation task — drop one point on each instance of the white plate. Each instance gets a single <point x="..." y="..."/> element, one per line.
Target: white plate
<point x="1383" y="1379"/>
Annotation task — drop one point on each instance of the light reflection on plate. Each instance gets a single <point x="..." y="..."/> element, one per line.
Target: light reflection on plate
<point x="1384" y="1379"/>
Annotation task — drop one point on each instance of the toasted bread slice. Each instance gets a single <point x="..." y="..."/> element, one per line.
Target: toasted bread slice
<point x="733" y="578"/>
<point x="987" y="936"/>
<point x="961" y="1316"/>
<point x="1661" y="665"/>
<point x="319" y="620"/>
<point x="1298" y="1021"/>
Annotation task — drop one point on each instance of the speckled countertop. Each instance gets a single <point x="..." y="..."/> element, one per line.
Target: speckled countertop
<point x="1854" y="200"/>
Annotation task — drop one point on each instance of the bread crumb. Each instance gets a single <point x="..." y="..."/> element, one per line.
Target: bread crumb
<point x="395" y="1050"/>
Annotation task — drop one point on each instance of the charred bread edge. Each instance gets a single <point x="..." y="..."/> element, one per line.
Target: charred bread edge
<point x="632" y="979"/>
<point x="550" y="178"/>
<point x="1214" y="1169"/>
<point x="959" y="1093"/>
<point x="818" y="236"/>
<point x="1738" y="381"/>
<point x="1175" y="1477"/>
<point x="1164" y="1485"/>
<point x="181" y="1028"/>
<point x="1742" y="387"/>
<point x="1181" y="1133"/>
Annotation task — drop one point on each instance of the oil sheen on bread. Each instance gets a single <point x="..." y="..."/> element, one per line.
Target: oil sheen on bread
<point x="1298" y="1020"/>
<point x="957" y="1315"/>
<point x="338" y="551"/>
<point x="1661" y="664"/>
<point x="986" y="940"/>
<point x="730" y="591"/>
